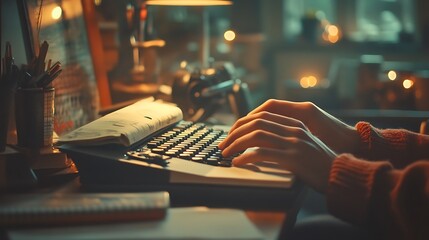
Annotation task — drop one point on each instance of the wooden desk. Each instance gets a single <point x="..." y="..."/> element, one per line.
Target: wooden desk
<point x="271" y="224"/>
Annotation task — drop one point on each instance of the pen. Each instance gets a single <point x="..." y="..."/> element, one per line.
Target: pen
<point x="49" y="64"/>
<point x="40" y="61"/>
<point x="47" y="80"/>
<point x="9" y="69"/>
<point x="48" y="76"/>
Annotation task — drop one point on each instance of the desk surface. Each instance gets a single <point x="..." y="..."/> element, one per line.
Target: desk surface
<point x="269" y="223"/>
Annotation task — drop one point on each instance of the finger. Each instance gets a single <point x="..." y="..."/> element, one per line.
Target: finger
<point x="277" y="124"/>
<point x="275" y="106"/>
<point x="283" y="120"/>
<point x="267" y="108"/>
<point x="258" y="138"/>
<point x="297" y="110"/>
<point x="266" y="154"/>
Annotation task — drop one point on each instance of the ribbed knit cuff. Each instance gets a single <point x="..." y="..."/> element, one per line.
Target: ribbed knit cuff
<point x="351" y="182"/>
<point x="364" y="129"/>
<point x="378" y="144"/>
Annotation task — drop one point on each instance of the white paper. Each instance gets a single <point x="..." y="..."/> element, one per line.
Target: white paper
<point x="126" y="126"/>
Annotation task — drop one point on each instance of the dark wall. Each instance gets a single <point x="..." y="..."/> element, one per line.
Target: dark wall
<point x="11" y="30"/>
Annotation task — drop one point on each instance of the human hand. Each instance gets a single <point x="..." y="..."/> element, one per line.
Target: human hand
<point x="283" y="140"/>
<point x="339" y="136"/>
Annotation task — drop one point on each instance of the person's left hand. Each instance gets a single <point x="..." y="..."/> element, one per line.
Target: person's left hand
<point x="290" y="144"/>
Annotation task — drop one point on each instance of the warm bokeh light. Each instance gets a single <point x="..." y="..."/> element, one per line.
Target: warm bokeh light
<point x="332" y="30"/>
<point x="308" y="81"/>
<point x="407" y="83"/>
<point x="56" y="13"/>
<point x="183" y="64"/>
<point x="331" y="34"/>
<point x="312" y="81"/>
<point x="333" y="38"/>
<point x="229" y="35"/>
<point x="304" y="82"/>
<point x="210" y="71"/>
<point x="392" y="75"/>
<point x="98" y="2"/>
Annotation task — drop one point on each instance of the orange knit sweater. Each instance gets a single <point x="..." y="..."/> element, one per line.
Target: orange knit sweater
<point x="388" y="192"/>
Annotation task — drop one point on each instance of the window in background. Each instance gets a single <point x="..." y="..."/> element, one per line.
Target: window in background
<point x="296" y="12"/>
<point x="384" y="20"/>
<point x="390" y="21"/>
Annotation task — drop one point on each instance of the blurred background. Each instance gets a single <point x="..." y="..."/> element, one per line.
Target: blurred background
<point x="359" y="59"/>
<point x="366" y="54"/>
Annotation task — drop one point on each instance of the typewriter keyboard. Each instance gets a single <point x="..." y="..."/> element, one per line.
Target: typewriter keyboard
<point x="188" y="141"/>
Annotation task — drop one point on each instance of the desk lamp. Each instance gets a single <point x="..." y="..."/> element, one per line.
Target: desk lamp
<point x="205" y="43"/>
<point x="199" y="93"/>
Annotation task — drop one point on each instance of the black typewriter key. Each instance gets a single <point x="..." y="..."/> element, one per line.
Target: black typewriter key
<point x="161" y="139"/>
<point x="211" y="148"/>
<point x="202" y="155"/>
<point x="205" y="151"/>
<point x="185" y="155"/>
<point x="171" y="153"/>
<point x="158" y="150"/>
<point x="182" y="145"/>
<point x="163" y="146"/>
<point x="217" y="153"/>
<point x="197" y="159"/>
<point x="190" y="151"/>
<point x="215" y="158"/>
<point x="228" y="159"/>
<point x="196" y="148"/>
<point x="172" y="141"/>
<point x="212" y="161"/>
<point x="225" y="164"/>
<point x="152" y="144"/>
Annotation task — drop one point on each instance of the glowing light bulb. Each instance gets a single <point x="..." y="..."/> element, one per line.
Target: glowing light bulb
<point x="392" y="75"/>
<point x="183" y="64"/>
<point x="312" y="81"/>
<point x="56" y="13"/>
<point x="304" y="82"/>
<point x="407" y="83"/>
<point x="229" y="35"/>
<point x="333" y="30"/>
<point x="331" y="34"/>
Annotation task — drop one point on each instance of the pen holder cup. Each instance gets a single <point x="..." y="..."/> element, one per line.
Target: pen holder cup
<point x="34" y="115"/>
<point x="6" y="100"/>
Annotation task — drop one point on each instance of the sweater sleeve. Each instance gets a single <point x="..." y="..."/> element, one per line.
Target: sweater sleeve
<point x="399" y="146"/>
<point x="392" y="204"/>
<point x="389" y="194"/>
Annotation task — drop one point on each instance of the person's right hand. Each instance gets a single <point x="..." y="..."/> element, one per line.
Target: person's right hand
<point x="337" y="135"/>
<point x="283" y="142"/>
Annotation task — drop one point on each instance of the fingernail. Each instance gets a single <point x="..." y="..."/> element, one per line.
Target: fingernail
<point x="224" y="153"/>
<point x="221" y="145"/>
<point x="235" y="162"/>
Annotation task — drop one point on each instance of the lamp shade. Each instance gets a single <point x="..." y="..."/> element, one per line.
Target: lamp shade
<point x="189" y="2"/>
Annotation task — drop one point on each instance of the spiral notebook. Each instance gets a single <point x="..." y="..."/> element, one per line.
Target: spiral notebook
<point x="86" y="208"/>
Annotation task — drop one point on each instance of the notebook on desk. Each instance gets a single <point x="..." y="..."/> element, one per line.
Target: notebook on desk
<point x="147" y="146"/>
